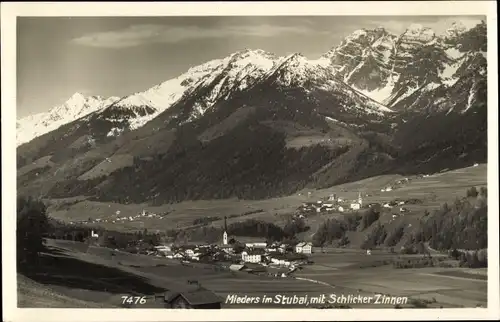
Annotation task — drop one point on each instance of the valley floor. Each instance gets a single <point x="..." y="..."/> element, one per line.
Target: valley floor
<point x="433" y="191"/>
<point x="78" y="275"/>
<point x="75" y="275"/>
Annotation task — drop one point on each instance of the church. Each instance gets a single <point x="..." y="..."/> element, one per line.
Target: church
<point x="225" y="243"/>
<point x="359" y="204"/>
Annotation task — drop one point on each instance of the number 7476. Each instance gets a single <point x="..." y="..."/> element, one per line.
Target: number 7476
<point x="126" y="299"/>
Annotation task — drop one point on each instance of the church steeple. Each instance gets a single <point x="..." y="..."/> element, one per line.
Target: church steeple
<point x="224" y="235"/>
<point x="360" y="200"/>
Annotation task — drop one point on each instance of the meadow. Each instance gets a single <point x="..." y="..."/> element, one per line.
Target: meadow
<point x="88" y="276"/>
<point x="433" y="191"/>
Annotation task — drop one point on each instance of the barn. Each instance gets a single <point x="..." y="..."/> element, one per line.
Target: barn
<point x="197" y="298"/>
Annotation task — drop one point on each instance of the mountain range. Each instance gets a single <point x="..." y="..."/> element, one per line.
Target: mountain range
<point x="256" y="125"/>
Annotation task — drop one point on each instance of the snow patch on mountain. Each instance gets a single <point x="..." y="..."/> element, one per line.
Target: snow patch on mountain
<point x="448" y="73"/>
<point x="76" y="107"/>
<point x="381" y="94"/>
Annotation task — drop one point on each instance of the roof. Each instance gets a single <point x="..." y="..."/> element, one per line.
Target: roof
<point x="257" y="251"/>
<point x="301" y="244"/>
<point x="196" y="296"/>
<point x="236" y="267"/>
<point x="253" y="267"/>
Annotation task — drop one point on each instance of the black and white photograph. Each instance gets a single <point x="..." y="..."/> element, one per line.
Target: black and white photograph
<point x="252" y="161"/>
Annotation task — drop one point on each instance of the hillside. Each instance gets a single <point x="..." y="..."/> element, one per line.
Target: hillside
<point x="253" y="125"/>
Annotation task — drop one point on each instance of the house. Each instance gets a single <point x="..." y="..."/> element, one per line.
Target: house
<point x="163" y="248"/>
<point x="280" y="260"/>
<point x="198" y="298"/>
<point x="256" y="245"/>
<point x="175" y="255"/>
<point x="303" y="248"/>
<point x="236" y="267"/>
<point x="168" y="254"/>
<point x="227" y="248"/>
<point x="254" y="268"/>
<point x="386" y="205"/>
<point x="251" y="256"/>
<point x="189" y="252"/>
<point x="341" y="209"/>
<point x="355" y="206"/>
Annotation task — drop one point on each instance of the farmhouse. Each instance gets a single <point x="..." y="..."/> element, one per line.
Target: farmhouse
<point x="355" y="206"/>
<point x="198" y="298"/>
<point x="303" y="248"/>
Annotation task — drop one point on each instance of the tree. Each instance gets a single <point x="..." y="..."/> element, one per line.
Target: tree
<point x="32" y="225"/>
<point x="455" y="254"/>
<point x="472" y="192"/>
<point x="238" y="247"/>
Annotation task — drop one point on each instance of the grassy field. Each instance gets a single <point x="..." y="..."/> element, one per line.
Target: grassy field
<point x="90" y="275"/>
<point x="351" y="272"/>
<point x="78" y="275"/>
<point x="31" y="294"/>
<point x="433" y="191"/>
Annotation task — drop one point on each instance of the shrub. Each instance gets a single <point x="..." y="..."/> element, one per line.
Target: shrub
<point x="472" y="192"/>
<point x="32" y="226"/>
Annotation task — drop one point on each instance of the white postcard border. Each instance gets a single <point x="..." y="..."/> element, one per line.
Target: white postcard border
<point x="9" y="11"/>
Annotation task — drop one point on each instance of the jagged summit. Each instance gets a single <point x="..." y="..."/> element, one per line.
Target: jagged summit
<point x="456" y="29"/>
<point x="394" y="70"/>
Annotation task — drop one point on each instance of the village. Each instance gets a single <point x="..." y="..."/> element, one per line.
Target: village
<point x="259" y="256"/>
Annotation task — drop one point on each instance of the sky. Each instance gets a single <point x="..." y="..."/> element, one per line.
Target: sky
<point x="117" y="56"/>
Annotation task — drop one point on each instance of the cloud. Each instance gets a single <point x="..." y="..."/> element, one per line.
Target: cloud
<point x="150" y="33"/>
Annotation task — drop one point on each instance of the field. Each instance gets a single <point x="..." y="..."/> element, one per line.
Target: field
<point x="86" y="276"/>
<point x="433" y="190"/>
<point x="92" y="275"/>
<point x="352" y="272"/>
<point x="83" y="276"/>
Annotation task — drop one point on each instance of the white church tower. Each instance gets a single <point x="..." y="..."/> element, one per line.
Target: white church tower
<point x="224" y="235"/>
<point x="360" y="200"/>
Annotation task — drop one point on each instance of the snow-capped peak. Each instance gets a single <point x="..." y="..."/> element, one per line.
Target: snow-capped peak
<point x="356" y="34"/>
<point x="77" y="106"/>
<point x="456" y="29"/>
<point x="76" y="98"/>
<point x="419" y="32"/>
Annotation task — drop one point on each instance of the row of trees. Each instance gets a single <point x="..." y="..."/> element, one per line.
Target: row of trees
<point x="247" y="228"/>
